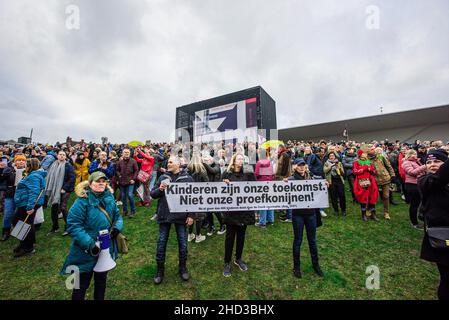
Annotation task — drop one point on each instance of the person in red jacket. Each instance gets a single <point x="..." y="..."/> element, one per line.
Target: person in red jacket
<point x="147" y="164"/>
<point x="402" y="173"/>
<point x="365" y="188"/>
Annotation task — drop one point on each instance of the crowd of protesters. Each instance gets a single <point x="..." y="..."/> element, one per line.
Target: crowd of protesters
<point x="37" y="175"/>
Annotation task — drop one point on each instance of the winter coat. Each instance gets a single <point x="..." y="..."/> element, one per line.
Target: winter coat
<point x="199" y="177"/>
<point x="147" y="162"/>
<point x="348" y="162"/>
<point x="328" y="171"/>
<point x="365" y="170"/>
<point x="213" y="171"/>
<point x="69" y="178"/>
<point x="401" y="169"/>
<point x="239" y="217"/>
<point x="434" y="191"/>
<point x="413" y="170"/>
<point x="84" y="222"/>
<point x="163" y="212"/>
<point x="127" y="170"/>
<point x="302" y="212"/>
<point x="29" y="188"/>
<point x="315" y="165"/>
<point x="264" y="170"/>
<point x="109" y="171"/>
<point x="7" y="181"/>
<point x="81" y="171"/>
<point x="384" y="170"/>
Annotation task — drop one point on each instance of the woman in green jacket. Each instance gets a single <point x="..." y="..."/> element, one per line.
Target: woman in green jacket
<point x="84" y="222"/>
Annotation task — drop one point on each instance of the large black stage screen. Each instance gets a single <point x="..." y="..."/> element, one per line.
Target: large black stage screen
<point x="244" y="116"/>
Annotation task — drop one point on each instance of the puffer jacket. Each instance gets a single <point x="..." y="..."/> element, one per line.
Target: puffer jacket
<point x="239" y="217"/>
<point x="29" y="188"/>
<point x="163" y="212"/>
<point x="84" y="222"/>
<point x="413" y="170"/>
<point x="384" y="170"/>
<point x="81" y="170"/>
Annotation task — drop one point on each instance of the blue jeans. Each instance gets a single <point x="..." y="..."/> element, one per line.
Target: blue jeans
<point x="266" y="216"/>
<point x="289" y="213"/>
<point x="164" y="233"/>
<point x="127" y="192"/>
<point x="299" y="222"/>
<point x="9" y="213"/>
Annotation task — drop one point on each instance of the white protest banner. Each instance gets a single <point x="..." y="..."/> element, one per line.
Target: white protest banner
<point x="251" y="195"/>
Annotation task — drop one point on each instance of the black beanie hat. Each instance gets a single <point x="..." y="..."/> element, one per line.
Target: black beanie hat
<point x="438" y="154"/>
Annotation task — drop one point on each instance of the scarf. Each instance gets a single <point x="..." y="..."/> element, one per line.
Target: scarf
<point x="55" y="180"/>
<point x="335" y="171"/>
<point x="363" y="162"/>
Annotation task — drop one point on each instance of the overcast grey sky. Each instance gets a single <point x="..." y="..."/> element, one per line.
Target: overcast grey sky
<point x="131" y="63"/>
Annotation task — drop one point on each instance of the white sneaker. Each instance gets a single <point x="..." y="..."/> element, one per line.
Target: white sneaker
<point x="323" y="214"/>
<point x="60" y="216"/>
<point x="403" y="197"/>
<point x="119" y="203"/>
<point x="191" y="237"/>
<point x="154" y="217"/>
<point x="200" y="238"/>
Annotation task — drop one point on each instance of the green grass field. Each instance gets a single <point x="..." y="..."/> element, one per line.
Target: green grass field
<point x="347" y="246"/>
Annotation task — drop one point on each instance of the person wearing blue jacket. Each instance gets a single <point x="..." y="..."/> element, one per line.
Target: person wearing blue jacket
<point x="102" y="164"/>
<point x="28" y="198"/>
<point x="60" y="184"/>
<point x="84" y="222"/>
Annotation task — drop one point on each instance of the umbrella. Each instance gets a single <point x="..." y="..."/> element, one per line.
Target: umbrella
<point x="272" y="144"/>
<point x="135" y="143"/>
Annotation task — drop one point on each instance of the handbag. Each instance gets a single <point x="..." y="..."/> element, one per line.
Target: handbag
<point x="143" y="176"/>
<point x="438" y="236"/>
<point x="122" y="241"/>
<point x="39" y="218"/>
<point x="364" y="183"/>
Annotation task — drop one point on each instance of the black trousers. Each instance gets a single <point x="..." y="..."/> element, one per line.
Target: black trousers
<point x="59" y="207"/>
<point x="443" y="289"/>
<point x="30" y="239"/>
<point x="234" y="232"/>
<point x="337" y="193"/>
<point x="414" y="200"/>
<point x="99" y="285"/>
<point x="210" y="219"/>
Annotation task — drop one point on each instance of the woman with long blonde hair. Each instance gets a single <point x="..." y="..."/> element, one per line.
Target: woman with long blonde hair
<point x="199" y="174"/>
<point x="236" y="221"/>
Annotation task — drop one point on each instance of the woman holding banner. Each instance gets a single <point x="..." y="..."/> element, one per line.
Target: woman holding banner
<point x="236" y="221"/>
<point x="308" y="218"/>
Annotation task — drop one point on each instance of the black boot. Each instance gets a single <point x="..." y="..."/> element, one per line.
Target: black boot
<point x="364" y="218"/>
<point x="5" y="234"/>
<point x="373" y="215"/>
<point x="391" y="199"/>
<point x="183" y="270"/>
<point x="160" y="273"/>
<point x="317" y="269"/>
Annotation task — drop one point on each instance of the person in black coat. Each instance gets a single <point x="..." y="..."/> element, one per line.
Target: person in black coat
<point x="308" y="218"/>
<point x="214" y="174"/>
<point x="165" y="219"/>
<point x="434" y="190"/>
<point x="236" y="221"/>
